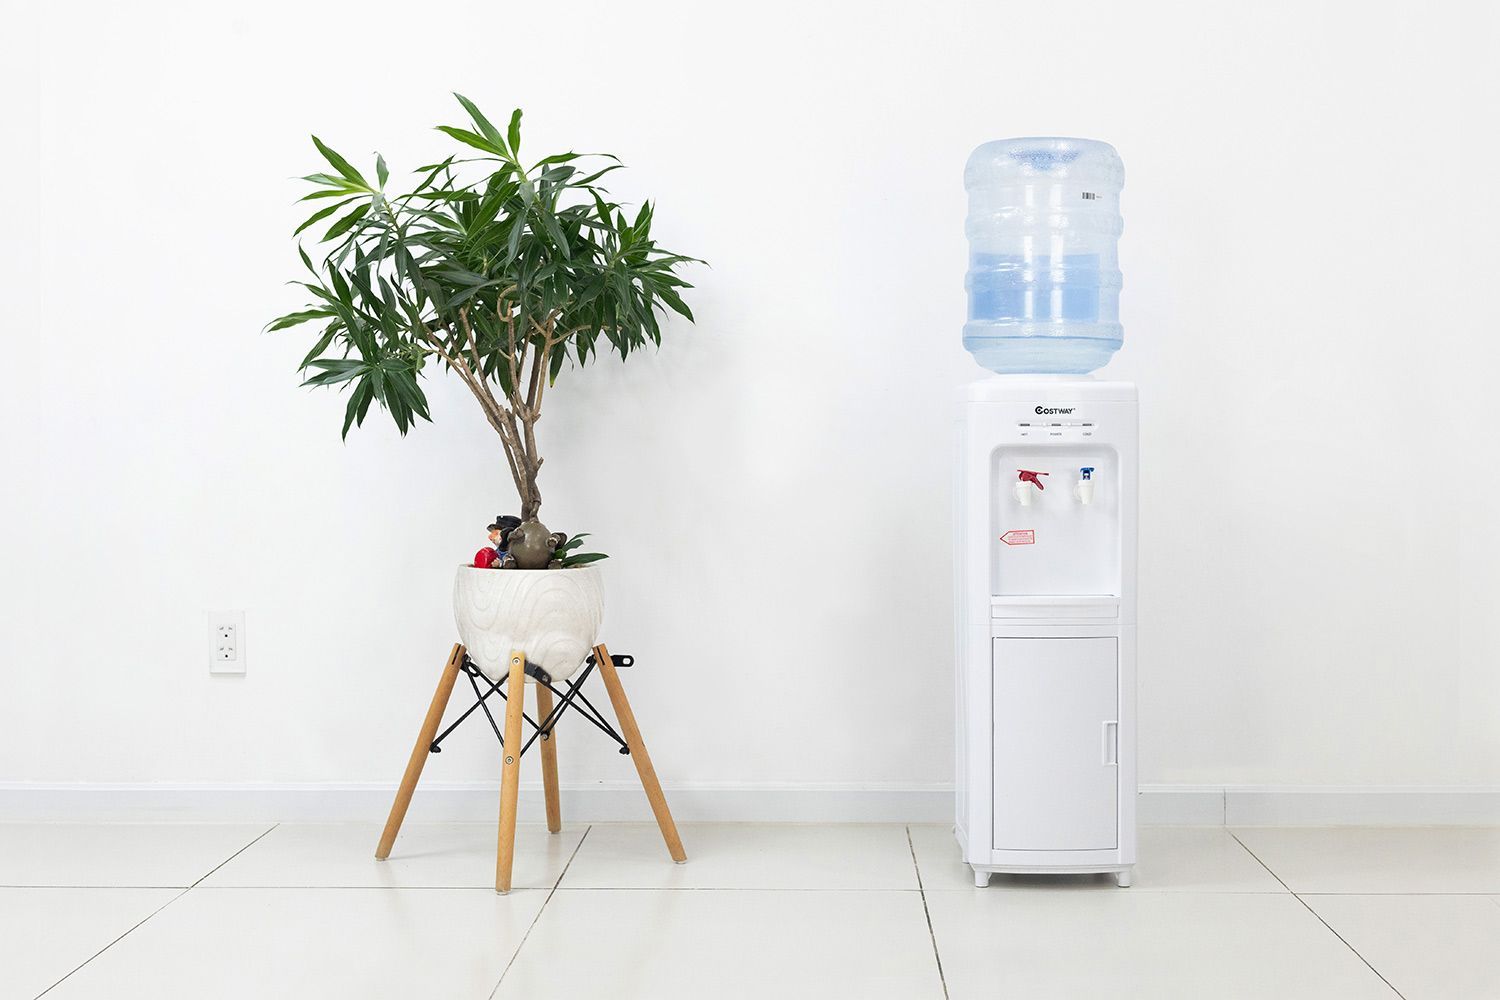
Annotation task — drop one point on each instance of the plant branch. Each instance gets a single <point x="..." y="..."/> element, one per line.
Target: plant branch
<point x="493" y="413"/>
<point x="510" y="356"/>
<point x="463" y="317"/>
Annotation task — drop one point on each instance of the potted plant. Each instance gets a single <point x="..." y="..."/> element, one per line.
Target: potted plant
<point x="501" y="273"/>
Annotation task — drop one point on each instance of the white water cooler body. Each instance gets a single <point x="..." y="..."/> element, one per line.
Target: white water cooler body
<point x="1045" y="527"/>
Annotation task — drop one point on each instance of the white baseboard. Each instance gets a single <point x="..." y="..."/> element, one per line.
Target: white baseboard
<point x="1320" y="805"/>
<point x="1394" y="805"/>
<point x="1180" y="805"/>
<point x="598" y="802"/>
<point x="1198" y="805"/>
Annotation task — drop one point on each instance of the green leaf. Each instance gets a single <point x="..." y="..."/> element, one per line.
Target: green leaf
<point x="359" y="403"/>
<point x="340" y="164"/>
<point x="675" y="303"/>
<point x="591" y="178"/>
<point x="340" y="288"/>
<point x="513" y="243"/>
<point x="570" y="544"/>
<point x="555" y="158"/>
<point x="295" y="318"/>
<point x="514" y="133"/>
<point x="337" y="364"/>
<point x="405" y="385"/>
<point x="342" y="191"/>
<point x="555" y="231"/>
<point x="342" y="226"/>
<point x="334" y="377"/>
<point x="470" y="139"/>
<point x="583" y="559"/>
<point x="481" y="122"/>
<point x="342" y="183"/>
<point x="380" y="170"/>
<point x="321" y="214"/>
<point x="319" y="347"/>
<point x="364" y="407"/>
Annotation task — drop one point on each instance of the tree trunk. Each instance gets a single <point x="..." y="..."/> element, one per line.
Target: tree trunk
<point x="528" y="462"/>
<point x="526" y="487"/>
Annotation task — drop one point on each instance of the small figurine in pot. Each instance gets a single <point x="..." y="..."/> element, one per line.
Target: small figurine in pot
<point x="500" y="531"/>
<point x="499" y="556"/>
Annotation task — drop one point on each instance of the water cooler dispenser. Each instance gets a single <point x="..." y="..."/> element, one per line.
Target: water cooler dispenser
<point x="1045" y="521"/>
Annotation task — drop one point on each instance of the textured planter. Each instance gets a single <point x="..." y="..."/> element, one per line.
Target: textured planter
<point x="552" y="615"/>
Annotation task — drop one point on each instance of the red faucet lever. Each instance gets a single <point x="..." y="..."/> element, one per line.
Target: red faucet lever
<point x="1027" y="476"/>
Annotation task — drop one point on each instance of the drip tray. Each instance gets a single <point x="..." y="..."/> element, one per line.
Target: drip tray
<point x="1055" y="606"/>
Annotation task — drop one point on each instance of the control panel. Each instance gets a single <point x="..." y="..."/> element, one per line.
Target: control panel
<point x="1056" y="430"/>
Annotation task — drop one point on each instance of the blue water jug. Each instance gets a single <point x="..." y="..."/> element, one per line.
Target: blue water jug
<point x="1044" y="277"/>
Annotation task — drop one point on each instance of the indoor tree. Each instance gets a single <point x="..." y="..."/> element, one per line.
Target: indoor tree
<point x="496" y="270"/>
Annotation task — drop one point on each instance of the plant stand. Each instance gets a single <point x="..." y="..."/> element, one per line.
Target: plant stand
<point x="429" y="741"/>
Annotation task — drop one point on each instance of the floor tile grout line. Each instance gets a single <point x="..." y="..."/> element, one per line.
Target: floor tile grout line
<point x="1443" y="892"/>
<point x="562" y="875"/>
<point x="182" y="892"/>
<point x="922" y="892"/>
<point x="1317" y="916"/>
<point x="1346" y="944"/>
<point x="136" y="925"/>
<point x="733" y="888"/>
<point x="236" y="854"/>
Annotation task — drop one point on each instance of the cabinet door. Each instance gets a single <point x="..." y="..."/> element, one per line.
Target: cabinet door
<point x="1056" y="744"/>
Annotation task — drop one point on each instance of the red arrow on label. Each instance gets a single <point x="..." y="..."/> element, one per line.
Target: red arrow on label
<point x="1019" y="536"/>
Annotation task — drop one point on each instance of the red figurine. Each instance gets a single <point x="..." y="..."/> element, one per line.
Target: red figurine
<point x="500" y="530"/>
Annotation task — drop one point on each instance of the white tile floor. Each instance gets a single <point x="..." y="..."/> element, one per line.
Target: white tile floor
<point x="866" y="911"/>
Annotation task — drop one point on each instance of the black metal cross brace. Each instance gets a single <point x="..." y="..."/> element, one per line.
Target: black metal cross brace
<point x="573" y="698"/>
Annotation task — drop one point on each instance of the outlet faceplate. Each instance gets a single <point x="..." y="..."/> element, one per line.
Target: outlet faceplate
<point x="226" y="634"/>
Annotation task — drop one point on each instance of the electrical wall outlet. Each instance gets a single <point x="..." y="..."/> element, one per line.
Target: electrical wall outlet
<point x="226" y="634"/>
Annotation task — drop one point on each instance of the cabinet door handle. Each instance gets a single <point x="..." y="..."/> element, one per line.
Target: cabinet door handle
<point x="1111" y="743"/>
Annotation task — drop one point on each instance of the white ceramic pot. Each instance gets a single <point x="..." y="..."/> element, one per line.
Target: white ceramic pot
<point x="551" y="615"/>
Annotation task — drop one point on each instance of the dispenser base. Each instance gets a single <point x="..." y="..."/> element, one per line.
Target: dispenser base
<point x="1124" y="876"/>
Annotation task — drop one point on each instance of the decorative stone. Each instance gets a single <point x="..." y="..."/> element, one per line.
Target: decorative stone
<point x="551" y="615"/>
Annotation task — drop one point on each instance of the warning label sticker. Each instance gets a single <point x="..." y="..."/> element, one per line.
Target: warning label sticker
<point x="1019" y="536"/>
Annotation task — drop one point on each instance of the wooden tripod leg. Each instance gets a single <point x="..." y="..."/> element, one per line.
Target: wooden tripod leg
<point x="510" y="777"/>
<point x="419" y="752"/>
<point x="632" y="734"/>
<point x="548" y="743"/>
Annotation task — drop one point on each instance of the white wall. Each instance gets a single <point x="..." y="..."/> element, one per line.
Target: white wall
<point x="1309" y="256"/>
